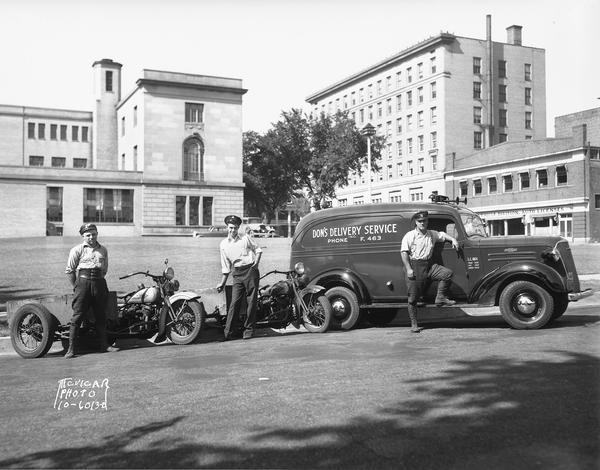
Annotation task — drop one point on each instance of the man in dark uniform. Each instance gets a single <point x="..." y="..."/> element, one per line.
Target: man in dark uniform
<point x="86" y="268"/>
<point x="416" y="251"/>
<point x="240" y="256"/>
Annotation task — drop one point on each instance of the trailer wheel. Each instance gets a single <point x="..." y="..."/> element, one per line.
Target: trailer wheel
<point x="345" y="307"/>
<point x="32" y="331"/>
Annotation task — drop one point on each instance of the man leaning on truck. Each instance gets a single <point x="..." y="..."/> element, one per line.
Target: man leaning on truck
<point x="416" y="251"/>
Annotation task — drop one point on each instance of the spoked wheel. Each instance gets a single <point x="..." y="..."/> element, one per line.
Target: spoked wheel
<point x="525" y="305"/>
<point x="318" y="316"/>
<point x="32" y="331"/>
<point x="188" y="323"/>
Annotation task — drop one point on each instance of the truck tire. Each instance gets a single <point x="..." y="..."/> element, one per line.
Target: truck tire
<point x="526" y="306"/>
<point x="561" y="302"/>
<point x="32" y="331"/>
<point x="345" y="307"/>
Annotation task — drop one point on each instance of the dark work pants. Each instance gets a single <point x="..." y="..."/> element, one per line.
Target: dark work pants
<point x="245" y="284"/>
<point x="424" y="272"/>
<point x="90" y="293"/>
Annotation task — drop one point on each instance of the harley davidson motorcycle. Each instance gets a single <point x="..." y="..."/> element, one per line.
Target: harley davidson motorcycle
<point x="290" y="302"/>
<point x="141" y="313"/>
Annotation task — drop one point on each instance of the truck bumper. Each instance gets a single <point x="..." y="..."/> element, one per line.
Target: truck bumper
<point x="575" y="296"/>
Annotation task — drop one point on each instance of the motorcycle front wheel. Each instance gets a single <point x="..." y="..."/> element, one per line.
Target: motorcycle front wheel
<point x="317" y="317"/>
<point x="188" y="324"/>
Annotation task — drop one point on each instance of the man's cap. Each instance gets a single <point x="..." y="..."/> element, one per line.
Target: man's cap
<point x="87" y="227"/>
<point x="233" y="219"/>
<point x="421" y="215"/>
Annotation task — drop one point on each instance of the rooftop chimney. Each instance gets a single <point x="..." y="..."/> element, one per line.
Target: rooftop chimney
<point x="514" y="35"/>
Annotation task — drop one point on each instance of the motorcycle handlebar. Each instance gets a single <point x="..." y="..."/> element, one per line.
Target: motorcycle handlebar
<point x="276" y="272"/>
<point x="146" y="273"/>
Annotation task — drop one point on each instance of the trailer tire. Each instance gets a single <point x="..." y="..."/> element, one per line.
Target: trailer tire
<point x="32" y="331"/>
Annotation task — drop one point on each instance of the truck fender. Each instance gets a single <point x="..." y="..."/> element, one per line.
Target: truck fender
<point x="488" y="289"/>
<point x="343" y="278"/>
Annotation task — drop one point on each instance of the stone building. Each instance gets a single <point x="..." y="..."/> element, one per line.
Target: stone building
<point x="537" y="187"/>
<point x="447" y="95"/>
<point x="164" y="159"/>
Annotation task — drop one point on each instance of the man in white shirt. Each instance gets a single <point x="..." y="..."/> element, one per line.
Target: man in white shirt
<point x="240" y="255"/>
<point x="416" y="251"/>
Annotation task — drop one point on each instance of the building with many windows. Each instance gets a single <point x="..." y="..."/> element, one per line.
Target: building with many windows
<point x="440" y="99"/>
<point x="537" y="187"/>
<point x="164" y="159"/>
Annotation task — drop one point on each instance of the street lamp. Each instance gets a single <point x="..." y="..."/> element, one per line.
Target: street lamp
<point x="369" y="131"/>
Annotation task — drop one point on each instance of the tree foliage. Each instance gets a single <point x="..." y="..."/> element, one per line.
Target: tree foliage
<point x="313" y="154"/>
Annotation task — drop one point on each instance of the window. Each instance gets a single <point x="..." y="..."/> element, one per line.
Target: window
<point x="361" y="114"/>
<point x="477" y="140"/>
<point x="398" y="79"/>
<point x="361" y="97"/>
<point x="389" y="150"/>
<point x="135" y="116"/>
<point x="390" y="172"/>
<point x="561" y="175"/>
<point x="389" y="106"/>
<point x="370" y="114"/>
<point x="507" y="181"/>
<point x="501" y="69"/>
<point x="502" y="93"/>
<point x="527" y="119"/>
<point x="207" y="210"/>
<point x="409" y="145"/>
<point x="388" y="83"/>
<point x="434" y="162"/>
<point x="84" y="134"/>
<point x="194" y="113"/>
<point x="477" y="90"/>
<point x="123" y="125"/>
<point x="107" y="205"/>
<point x="464" y="188"/>
<point x="379" y="89"/>
<point x="370" y="91"/>
<point x="398" y="102"/>
<point x="420" y="119"/>
<point x="409" y="98"/>
<point x="109" y="80"/>
<point x="432" y="65"/>
<point x="75" y="133"/>
<point x="395" y="196"/>
<point x="41" y="131"/>
<point x="79" y="163"/>
<point x="502" y="138"/>
<point x="420" y="95"/>
<point x="36" y="160"/>
<point x="492" y="185"/>
<point x="420" y="69"/>
<point x="31" y="130"/>
<point x="353" y="98"/>
<point x="524" y="180"/>
<point x="193" y="159"/>
<point x="527" y="95"/>
<point x="477" y="114"/>
<point x="421" y="143"/>
<point x="135" y="157"/>
<point x="527" y="72"/>
<point x="399" y="148"/>
<point x="415" y="194"/>
<point x="421" y="165"/>
<point x="399" y="170"/>
<point x="409" y="75"/>
<point x="53" y="131"/>
<point x="54" y="204"/>
<point x="59" y="162"/>
<point x="542" y="178"/>
<point x="502" y="117"/>
<point x="379" y="109"/>
<point x="597" y="200"/>
<point x="399" y="126"/>
<point x="433" y="140"/>
<point x="477" y="187"/>
<point x="409" y="165"/>
<point x="180" y="209"/>
<point x="477" y="65"/>
<point x="433" y="89"/>
<point x="409" y="122"/>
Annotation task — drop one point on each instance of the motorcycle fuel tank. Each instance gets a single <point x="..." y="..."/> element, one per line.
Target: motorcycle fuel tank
<point x="145" y="296"/>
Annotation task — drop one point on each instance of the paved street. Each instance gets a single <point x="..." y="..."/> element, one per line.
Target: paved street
<point x="465" y="394"/>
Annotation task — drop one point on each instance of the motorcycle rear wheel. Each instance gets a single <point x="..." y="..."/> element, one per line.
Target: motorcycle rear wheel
<point x="190" y="323"/>
<point x="318" y="316"/>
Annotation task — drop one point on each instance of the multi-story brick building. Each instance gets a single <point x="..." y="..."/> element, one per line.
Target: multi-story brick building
<point x="165" y="159"/>
<point x="445" y="96"/>
<point x="537" y="187"/>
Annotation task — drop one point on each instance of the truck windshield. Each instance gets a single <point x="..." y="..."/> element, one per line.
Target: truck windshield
<point x="474" y="226"/>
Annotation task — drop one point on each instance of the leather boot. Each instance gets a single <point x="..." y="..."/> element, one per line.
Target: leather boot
<point x="412" y="313"/>
<point x="72" y="336"/>
<point x="441" y="298"/>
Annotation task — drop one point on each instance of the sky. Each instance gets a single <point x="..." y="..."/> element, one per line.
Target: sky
<point x="282" y="50"/>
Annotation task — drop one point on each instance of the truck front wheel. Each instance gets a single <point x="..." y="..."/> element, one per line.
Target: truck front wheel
<point x="344" y="304"/>
<point x="525" y="305"/>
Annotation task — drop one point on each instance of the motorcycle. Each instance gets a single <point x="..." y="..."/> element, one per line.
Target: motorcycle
<point x="290" y="302"/>
<point x="142" y="313"/>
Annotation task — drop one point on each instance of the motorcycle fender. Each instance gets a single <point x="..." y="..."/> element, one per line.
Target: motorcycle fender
<point x="183" y="295"/>
<point x="314" y="289"/>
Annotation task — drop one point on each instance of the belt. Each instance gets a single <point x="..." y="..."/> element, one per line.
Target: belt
<point x="90" y="273"/>
<point x="242" y="268"/>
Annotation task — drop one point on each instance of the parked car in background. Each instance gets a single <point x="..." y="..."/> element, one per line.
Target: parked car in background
<point x="262" y="230"/>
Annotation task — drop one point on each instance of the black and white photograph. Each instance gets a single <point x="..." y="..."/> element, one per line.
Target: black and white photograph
<point x="287" y="234"/>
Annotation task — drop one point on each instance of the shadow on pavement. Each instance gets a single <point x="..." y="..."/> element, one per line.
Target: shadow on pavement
<point x="492" y="413"/>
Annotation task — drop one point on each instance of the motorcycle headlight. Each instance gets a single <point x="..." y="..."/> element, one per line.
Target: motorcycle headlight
<point x="299" y="268"/>
<point x="169" y="273"/>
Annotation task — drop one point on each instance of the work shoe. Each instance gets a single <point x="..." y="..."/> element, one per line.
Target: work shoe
<point x="441" y="301"/>
<point x="108" y="349"/>
<point x="416" y="329"/>
<point x="248" y="334"/>
<point x="69" y="354"/>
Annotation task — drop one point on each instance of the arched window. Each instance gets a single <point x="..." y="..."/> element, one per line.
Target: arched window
<point x="193" y="159"/>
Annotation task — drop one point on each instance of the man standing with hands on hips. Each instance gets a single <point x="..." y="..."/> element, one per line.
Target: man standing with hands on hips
<point x="416" y="251"/>
<point x="240" y="256"/>
<point x="86" y="268"/>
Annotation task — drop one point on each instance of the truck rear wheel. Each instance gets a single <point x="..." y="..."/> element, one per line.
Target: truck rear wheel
<point x="525" y="305"/>
<point x="32" y="331"/>
<point x="344" y="304"/>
